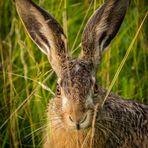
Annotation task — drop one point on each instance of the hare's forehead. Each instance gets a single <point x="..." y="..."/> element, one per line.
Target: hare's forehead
<point x="77" y="75"/>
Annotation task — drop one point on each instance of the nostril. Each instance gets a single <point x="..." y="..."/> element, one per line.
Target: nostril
<point x="84" y="119"/>
<point x="71" y="119"/>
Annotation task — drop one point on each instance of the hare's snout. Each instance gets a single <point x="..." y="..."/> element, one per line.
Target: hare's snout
<point x="78" y="121"/>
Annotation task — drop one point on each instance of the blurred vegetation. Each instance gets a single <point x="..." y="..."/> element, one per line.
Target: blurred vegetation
<point x="26" y="78"/>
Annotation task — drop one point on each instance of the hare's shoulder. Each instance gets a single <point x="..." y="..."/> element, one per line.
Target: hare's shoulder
<point x="124" y="121"/>
<point x="115" y="101"/>
<point x="123" y="110"/>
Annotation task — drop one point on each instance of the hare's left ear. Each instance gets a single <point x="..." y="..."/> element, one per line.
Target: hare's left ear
<point x="102" y="28"/>
<point x="45" y="31"/>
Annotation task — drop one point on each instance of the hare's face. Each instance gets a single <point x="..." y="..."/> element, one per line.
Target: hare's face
<point x="75" y="91"/>
<point x="74" y="102"/>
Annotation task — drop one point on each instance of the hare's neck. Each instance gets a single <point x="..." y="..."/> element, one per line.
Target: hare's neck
<point x="61" y="138"/>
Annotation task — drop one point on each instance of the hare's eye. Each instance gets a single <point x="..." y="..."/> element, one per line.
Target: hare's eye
<point x="96" y="88"/>
<point x="58" y="90"/>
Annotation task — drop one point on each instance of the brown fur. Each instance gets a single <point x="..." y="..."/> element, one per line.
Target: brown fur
<point x="58" y="136"/>
<point x="115" y="120"/>
<point x="73" y="118"/>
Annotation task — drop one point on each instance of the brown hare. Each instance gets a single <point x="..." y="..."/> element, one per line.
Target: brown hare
<point x="73" y="118"/>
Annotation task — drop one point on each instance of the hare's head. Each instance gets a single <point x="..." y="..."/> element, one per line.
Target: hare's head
<point x="76" y="85"/>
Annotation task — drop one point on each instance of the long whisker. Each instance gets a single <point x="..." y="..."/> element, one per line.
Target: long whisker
<point x="32" y="125"/>
<point x="37" y="130"/>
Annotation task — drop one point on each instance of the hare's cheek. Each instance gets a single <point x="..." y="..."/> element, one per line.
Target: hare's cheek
<point x="55" y="106"/>
<point x="64" y="102"/>
<point x="65" y="121"/>
<point x="88" y="121"/>
<point x="89" y="102"/>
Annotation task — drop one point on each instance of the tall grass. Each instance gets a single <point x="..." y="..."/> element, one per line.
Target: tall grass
<point x="27" y="81"/>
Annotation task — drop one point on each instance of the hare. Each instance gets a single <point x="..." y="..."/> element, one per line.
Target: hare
<point x="78" y="116"/>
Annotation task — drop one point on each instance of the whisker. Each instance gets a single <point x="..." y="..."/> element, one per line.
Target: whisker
<point x="37" y="130"/>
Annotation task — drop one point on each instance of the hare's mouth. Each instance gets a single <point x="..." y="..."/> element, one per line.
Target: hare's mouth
<point x="78" y="127"/>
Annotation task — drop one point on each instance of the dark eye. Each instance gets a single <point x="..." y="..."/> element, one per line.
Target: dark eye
<point x="96" y="88"/>
<point x="58" y="90"/>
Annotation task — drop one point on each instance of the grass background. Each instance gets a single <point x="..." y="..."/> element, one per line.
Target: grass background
<point x="27" y="81"/>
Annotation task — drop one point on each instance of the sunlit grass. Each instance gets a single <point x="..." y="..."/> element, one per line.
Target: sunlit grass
<point x="27" y="81"/>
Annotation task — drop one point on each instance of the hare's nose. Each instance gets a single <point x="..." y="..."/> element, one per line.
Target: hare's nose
<point x="78" y="121"/>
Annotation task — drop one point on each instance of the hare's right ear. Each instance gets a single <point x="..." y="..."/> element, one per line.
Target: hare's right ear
<point x="102" y="28"/>
<point x="45" y="31"/>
